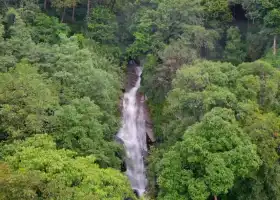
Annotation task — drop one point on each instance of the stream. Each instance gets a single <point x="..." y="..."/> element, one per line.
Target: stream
<point x="133" y="136"/>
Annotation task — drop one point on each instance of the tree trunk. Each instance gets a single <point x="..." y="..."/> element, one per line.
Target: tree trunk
<point x="45" y="4"/>
<point x="63" y="14"/>
<point x="88" y="8"/>
<point x="262" y="89"/>
<point x="275" y="45"/>
<point x="113" y="2"/>
<point x="215" y="197"/>
<point x="73" y="12"/>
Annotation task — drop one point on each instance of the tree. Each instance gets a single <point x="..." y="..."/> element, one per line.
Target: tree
<point x="201" y="39"/>
<point x="102" y="25"/>
<point x="62" y="4"/>
<point x="265" y="12"/>
<point x="17" y="43"/>
<point x="26" y="99"/>
<point x="264" y="185"/>
<point x="258" y="81"/>
<point x="217" y="10"/>
<point x="272" y="21"/>
<point x="60" y="174"/>
<point x="234" y="50"/>
<point x="158" y="79"/>
<point x="74" y="4"/>
<point x="79" y="127"/>
<point x="47" y="29"/>
<point x="195" y="88"/>
<point x="88" y="8"/>
<point x="264" y="132"/>
<point x="213" y="154"/>
<point x="45" y="4"/>
<point x="274" y="60"/>
<point x="18" y="185"/>
<point x="1" y="30"/>
<point x="167" y="22"/>
<point x="88" y="74"/>
<point x="257" y="42"/>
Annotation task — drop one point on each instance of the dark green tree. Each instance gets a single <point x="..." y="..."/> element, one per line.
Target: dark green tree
<point x="102" y="25"/>
<point x="234" y="50"/>
<point x="272" y="20"/>
<point x="79" y="127"/>
<point x="17" y="43"/>
<point x="26" y="99"/>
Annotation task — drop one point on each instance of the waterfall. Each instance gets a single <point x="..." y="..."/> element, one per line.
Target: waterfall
<point x="133" y="136"/>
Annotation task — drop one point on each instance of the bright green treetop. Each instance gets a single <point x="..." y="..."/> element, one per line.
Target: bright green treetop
<point x="213" y="154"/>
<point x="57" y="174"/>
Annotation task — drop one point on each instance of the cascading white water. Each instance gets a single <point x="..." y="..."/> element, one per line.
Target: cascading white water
<point x="133" y="136"/>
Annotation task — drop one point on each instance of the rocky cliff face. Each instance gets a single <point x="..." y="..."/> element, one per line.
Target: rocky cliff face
<point x="131" y="79"/>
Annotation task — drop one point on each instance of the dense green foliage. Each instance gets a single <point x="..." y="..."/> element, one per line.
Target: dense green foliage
<point x="211" y="156"/>
<point x="56" y="174"/>
<point x="211" y="75"/>
<point x="58" y="112"/>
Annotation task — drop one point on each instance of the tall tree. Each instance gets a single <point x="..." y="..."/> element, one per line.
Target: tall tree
<point x="258" y="81"/>
<point x="213" y="154"/>
<point x="62" y="5"/>
<point x="165" y="23"/>
<point x="79" y="127"/>
<point x="266" y="11"/>
<point x="234" y="50"/>
<point x="74" y="4"/>
<point x="18" y="42"/>
<point x="272" y="21"/>
<point x="102" y="25"/>
<point x="26" y="99"/>
<point x="46" y="29"/>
